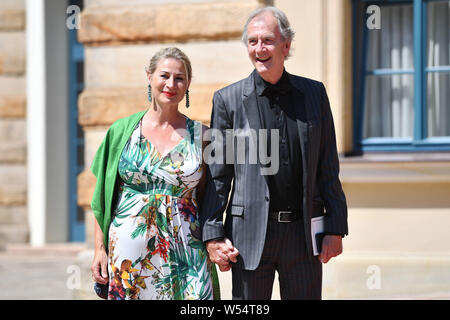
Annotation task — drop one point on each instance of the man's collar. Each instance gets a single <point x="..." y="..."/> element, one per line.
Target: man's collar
<point x="263" y="87"/>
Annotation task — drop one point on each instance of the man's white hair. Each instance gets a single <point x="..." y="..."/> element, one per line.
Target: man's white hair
<point x="287" y="33"/>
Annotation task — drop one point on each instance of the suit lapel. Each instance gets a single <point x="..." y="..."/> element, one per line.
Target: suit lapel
<point x="302" y="126"/>
<point x="251" y="104"/>
<point x="304" y="146"/>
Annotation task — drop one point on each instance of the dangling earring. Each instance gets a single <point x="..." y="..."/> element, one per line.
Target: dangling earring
<point x="149" y="93"/>
<point x="187" y="98"/>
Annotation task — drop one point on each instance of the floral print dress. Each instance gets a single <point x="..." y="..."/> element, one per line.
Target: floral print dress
<point x="155" y="248"/>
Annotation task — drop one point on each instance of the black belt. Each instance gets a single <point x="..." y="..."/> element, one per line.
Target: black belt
<point x="284" y="216"/>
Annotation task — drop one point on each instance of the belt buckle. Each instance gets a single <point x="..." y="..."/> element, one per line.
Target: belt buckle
<point x="279" y="215"/>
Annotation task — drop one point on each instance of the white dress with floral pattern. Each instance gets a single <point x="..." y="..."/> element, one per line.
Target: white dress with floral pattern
<point x="155" y="248"/>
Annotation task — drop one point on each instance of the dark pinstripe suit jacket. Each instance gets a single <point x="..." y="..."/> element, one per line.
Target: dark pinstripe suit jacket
<point x="235" y="107"/>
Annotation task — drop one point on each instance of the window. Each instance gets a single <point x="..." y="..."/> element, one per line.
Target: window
<point x="402" y="76"/>
<point x="76" y="136"/>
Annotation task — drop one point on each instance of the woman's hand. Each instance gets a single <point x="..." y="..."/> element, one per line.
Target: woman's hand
<point x="99" y="266"/>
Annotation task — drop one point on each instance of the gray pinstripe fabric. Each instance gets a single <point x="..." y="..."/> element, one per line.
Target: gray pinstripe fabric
<point x="234" y="107"/>
<point x="300" y="275"/>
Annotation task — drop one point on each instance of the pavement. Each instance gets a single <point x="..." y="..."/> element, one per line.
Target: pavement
<point x="56" y="272"/>
<point x="38" y="273"/>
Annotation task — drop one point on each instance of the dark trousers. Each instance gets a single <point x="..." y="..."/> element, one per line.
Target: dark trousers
<point x="299" y="274"/>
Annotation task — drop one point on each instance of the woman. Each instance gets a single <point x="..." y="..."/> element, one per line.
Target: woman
<point x="149" y="175"/>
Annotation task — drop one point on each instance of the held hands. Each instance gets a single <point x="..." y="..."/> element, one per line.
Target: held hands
<point x="222" y="252"/>
<point x="331" y="247"/>
<point x="99" y="267"/>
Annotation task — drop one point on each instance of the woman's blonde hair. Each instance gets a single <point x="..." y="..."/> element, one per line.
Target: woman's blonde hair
<point x="170" y="52"/>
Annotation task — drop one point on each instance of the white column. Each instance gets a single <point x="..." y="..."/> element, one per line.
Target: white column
<point x="47" y="121"/>
<point x="36" y="119"/>
<point x="57" y="129"/>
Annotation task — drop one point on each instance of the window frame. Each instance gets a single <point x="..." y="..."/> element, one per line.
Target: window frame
<point x="77" y="226"/>
<point x="419" y="141"/>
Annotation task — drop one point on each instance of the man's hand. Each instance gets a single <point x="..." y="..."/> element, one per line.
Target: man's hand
<point x="331" y="247"/>
<point x="222" y="252"/>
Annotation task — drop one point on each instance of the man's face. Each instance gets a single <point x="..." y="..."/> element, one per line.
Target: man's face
<point x="266" y="49"/>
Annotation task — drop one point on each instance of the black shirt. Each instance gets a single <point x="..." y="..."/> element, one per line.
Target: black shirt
<point x="277" y="111"/>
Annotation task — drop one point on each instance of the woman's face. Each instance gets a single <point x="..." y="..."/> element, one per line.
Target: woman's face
<point x="169" y="82"/>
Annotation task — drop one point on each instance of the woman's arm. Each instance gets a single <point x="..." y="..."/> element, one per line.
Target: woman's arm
<point x="99" y="266"/>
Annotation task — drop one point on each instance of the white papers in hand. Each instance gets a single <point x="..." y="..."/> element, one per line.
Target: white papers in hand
<point x="317" y="226"/>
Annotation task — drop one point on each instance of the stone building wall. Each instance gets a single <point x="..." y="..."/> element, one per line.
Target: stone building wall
<point x="13" y="174"/>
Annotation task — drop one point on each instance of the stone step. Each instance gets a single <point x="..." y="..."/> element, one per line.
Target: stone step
<point x="50" y="249"/>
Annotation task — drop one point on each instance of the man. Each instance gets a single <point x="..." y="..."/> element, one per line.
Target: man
<point x="268" y="217"/>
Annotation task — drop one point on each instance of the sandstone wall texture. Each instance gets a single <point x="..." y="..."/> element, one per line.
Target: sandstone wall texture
<point x="13" y="175"/>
